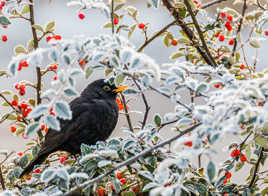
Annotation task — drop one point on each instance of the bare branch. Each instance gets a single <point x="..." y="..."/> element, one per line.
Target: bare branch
<point x="209" y="4"/>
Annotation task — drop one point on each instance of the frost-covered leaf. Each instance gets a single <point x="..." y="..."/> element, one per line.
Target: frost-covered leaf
<point x="119" y="79"/>
<point x="38" y="111"/>
<point x="155" y="3"/>
<point x="32" y="128"/>
<point x="211" y="170"/>
<point x="104" y="163"/>
<point x="62" y="110"/>
<point x="48" y="175"/>
<point x="4" y="21"/>
<point x="52" y="123"/>
<point x="70" y="92"/>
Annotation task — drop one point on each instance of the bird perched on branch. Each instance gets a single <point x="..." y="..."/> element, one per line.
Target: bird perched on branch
<point x="94" y="117"/>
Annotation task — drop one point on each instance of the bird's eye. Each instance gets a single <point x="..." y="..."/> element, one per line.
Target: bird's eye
<point x="106" y="88"/>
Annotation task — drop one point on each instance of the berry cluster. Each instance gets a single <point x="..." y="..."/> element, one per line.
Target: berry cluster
<point x="23" y="107"/>
<point x="237" y="153"/>
<point x="56" y="37"/>
<point x="22" y="64"/>
<point x="21" y="88"/>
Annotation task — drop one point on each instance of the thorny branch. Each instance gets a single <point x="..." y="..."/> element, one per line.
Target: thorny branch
<point x="133" y="159"/>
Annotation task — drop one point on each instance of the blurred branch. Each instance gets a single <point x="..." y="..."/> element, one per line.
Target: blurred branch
<point x="35" y="38"/>
<point x="201" y="36"/>
<point x="155" y="36"/>
<point x="133" y="159"/>
<point x="260" y="5"/>
<point x="209" y="4"/>
<point x="190" y="34"/>
<point x="239" y="26"/>
<point x="252" y="182"/>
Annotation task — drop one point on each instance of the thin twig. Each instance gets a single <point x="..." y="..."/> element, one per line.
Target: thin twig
<point x="165" y="95"/>
<point x="201" y="36"/>
<point x="155" y="36"/>
<point x="134" y="158"/>
<point x="239" y="26"/>
<point x="209" y="4"/>
<point x="112" y="15"/>
<point x="260" y="6"/>
<point x="2" y="179"/>
<point x="127" y="113"/>
<point x="256" y="168"/>
<point x="35" y="38"/>
<point x="168" y="123"/>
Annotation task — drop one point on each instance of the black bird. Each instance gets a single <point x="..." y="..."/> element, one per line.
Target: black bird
<point x="94" y="117"/>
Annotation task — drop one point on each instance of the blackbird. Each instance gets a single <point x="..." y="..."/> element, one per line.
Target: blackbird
<point x="94" y="117"/>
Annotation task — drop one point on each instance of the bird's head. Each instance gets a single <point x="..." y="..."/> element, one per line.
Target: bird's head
<point x="102" y="89"/>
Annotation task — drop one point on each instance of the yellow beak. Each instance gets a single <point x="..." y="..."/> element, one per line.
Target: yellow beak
<point x="120" y="89"/>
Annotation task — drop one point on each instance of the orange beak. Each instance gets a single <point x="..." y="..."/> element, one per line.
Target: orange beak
<point x="120" y="89"/>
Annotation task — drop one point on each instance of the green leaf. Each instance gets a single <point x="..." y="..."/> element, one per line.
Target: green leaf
<point x="248" y="152"/>
<point x="30" y="45"/>
<point x="107" y="25"/>
<point x="26" y="9"/>
<point x="11" y="117"/>
<point x="52" y="123"/>
<point x="20" y="49"/>
<point x="6" y="92"/>
<point x="176" y="55"/>
<point x="119" y="79"/>
<point x="38" y="27"/>
<point x="62" y="110"/>
<point x="255" y="43"/>
<point x="211" y="170"/>
<point x="157" y="120"/>
<point x="4" y="21"/>
<point x="50" y="26"/>
<point x="239" y="165"/>
<point x="262" y="141"/>
<point x="32" y="128"/>
<point x="132" y="28"/>
<point x="118" y="7"/>
<point x="89" y="71"/>
<point x="48" y="175"/>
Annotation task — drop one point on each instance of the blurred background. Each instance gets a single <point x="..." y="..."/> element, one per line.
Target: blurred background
<point x="68" y="25"/>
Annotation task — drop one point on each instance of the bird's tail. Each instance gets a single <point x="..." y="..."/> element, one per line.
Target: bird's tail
<point x="41" y="157"/>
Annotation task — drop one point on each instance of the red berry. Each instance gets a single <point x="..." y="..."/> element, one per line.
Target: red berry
<point x="54" y="67"/>
<point x="63" y="158"/>
<point x="217" y="35"/>
<point x="229" y="28"/>
<point x="37" y="171"/>
<point x="57" y="37"/>
<point x="22" y="87"/>
<point x="81" y="16"/>
<point x="20" y="154"/>
<point x="13" y="129"/>
<point x="221" y="38"/>
<point x="174" y="42"/>
<point x="19" y="118"/>
<point x="19" y="67"/>
<point x="228" y="174"/>
<point x="135" y="189"/>
<point x="23" y="136"/>
<point x="4" y="38"/>
<point x="48" y="38"/>
<point x="235" y="153"/>
<point x="55" y="77"/>
<point x="119" y="175"/>
<point x="116" y="21"/>
<point x="230" y="18"/>
<point x="243" y="158"/>
<point x="101" y="191"/>
<point x="123" y="180"/>
<point x="5" y="26"/>
<point x="231" y="42"/>
<point x="141" y="26"/>
<point x="217" y="85"/>
<point x="225" y="181"/>
<point x="3" y="3"/>
<point x="22" y="92"/>
<point x="14" y="103"/>
<point x="223" y="14"/>
<point x="43" y="126"/>
<point x="28" y="110"/>
<point x="23" y="105"/>
<point x="188" y="143"/>
<point x="82" y="62"/>
<point x="17" y="86"/>
<point x="266" y="32"/>
<point x="260" y="104"/>
<point x="24" y="64"/>
<point x="46" y="130"/>
<point x="242" y="66"/>
<point x="112" y="187"/>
